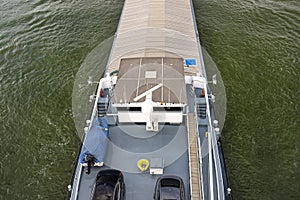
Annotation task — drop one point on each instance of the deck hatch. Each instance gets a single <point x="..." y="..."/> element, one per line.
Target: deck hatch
<point x="137" y="75"/>
<point x="190" y="62"/>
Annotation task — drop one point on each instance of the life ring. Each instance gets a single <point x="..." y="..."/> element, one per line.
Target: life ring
<point x="143" y="164"/>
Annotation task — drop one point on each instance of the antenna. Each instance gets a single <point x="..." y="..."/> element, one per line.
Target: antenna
<point x="90" y="81"/>
<point x="214" y="79"/>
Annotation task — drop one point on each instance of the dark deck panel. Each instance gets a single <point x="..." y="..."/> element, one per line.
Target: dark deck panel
<point x="137" y="75"/>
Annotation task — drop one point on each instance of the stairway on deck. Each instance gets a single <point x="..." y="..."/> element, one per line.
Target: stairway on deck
<point x="102" y="107"/>
<point x="201" y="110"/>
<point x="194" y="159"/>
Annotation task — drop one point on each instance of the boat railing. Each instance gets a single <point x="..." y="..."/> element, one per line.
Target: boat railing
<point x="74" y="193"/>
<point x="217" y="163"/>
<point x="211" y="134"/>
<point x="213" y="155"/>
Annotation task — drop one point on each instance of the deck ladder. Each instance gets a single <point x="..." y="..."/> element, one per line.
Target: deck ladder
<point x="195" y="181"/>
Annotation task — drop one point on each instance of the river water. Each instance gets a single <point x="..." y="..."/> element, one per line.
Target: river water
<point x="255" y="45"/>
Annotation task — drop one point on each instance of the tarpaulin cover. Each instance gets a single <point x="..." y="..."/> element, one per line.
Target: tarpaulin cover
<point x="163" y="29"/>
<point x="96" y="141"/>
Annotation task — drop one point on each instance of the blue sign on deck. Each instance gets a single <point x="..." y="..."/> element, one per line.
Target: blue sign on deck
<point x="190" y="62"/>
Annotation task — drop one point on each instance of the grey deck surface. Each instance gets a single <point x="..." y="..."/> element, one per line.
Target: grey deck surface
<point x="130" y="142"/>
<point x="134" y="139"/>
<point x="124" y="151"/>
<point x="140" y="185"/>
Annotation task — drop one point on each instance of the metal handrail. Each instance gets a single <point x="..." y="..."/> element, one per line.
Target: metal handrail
<point x="74" y="193"/>
<point x="218" y="172"/>
<point x="211" y="135"/>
